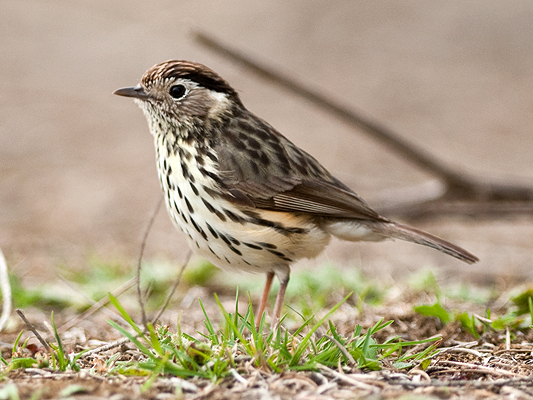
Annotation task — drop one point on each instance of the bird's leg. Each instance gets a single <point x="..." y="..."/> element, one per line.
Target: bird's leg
<point x="283" y="282"/>
<point x="264" y="298"/>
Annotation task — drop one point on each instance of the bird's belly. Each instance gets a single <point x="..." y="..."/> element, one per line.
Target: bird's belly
<point x="231" y="239"/>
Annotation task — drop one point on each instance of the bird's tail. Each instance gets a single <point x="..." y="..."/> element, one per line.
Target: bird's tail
<point x="410" y="234"/>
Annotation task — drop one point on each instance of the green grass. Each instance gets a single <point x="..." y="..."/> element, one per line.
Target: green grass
<point x="237" y="341"/>
<point x="317" y="289"/>
<point x="43" y="296"/>
<point x="231" y="344"/>
<point x="519" y="315"/>
<point x="80" y="287"/>
<point x="53" y="356"/>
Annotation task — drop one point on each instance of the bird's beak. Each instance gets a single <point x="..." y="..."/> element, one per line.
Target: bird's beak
<point x="135" y="92"/>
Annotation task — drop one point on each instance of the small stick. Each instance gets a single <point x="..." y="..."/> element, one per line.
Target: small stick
<point x="176" y="283"/>
<point x="32" y="328"/>
<point x="507" y="338"/>
<point x="238" y="377"/>
<point x="342" y="349"/>
<point x="6" y="291"/>
<point x="462" y="350"/>
<point x="346" y="378"/>
<point x="96" y="306"/>
<point x="513" y="382"/>
<point x="479" y="368"/>
<point x="143" y="246"/>
<point x="105" y="347"/>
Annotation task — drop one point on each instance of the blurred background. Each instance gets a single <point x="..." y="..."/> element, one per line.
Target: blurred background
<point x="77" y="169"/>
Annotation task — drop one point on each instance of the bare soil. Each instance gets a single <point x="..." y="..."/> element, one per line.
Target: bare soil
<point x="491" y="367"/>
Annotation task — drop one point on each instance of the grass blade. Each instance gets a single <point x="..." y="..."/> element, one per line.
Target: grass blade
<point x="302" y="346"/>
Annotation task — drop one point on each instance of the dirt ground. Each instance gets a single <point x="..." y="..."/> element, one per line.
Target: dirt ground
<point x="77" y="171"/>
<point x="465" y="368"/>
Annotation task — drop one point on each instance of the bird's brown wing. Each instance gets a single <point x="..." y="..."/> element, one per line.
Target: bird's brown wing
<point x="279" y="176"/>
<point x="320" y="198"/>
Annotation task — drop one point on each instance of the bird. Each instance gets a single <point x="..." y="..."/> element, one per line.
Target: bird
<point x="245" y="196"/>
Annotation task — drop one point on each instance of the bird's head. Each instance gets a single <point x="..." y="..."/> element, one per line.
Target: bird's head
<point x="183" y="94"/>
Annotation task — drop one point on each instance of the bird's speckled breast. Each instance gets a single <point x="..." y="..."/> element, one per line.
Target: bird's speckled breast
<point x="220" y="231"/>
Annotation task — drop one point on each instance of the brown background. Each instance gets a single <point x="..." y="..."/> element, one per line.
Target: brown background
<point x="77" y="171"/>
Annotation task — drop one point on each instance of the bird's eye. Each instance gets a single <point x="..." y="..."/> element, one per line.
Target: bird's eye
<point x="177" y="91"/>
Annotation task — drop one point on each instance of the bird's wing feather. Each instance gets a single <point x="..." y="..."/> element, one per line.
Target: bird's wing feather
<point x="320" y="198"/>
<point x="279" y="176"/>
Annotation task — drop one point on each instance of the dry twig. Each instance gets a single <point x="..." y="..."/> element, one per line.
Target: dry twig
<point x="346" y="378"/>
<point x="342" y="349"/>
<point x="105" y="347"/>
<point x="96" y="306"/>
<point x="479" y="368"/>
<point x="6" y="291"/>
<point x="143" y="246"/>
<point x="176" y="283"/>
<point x="32" y="328"/>
<point x="139" y="265"/>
